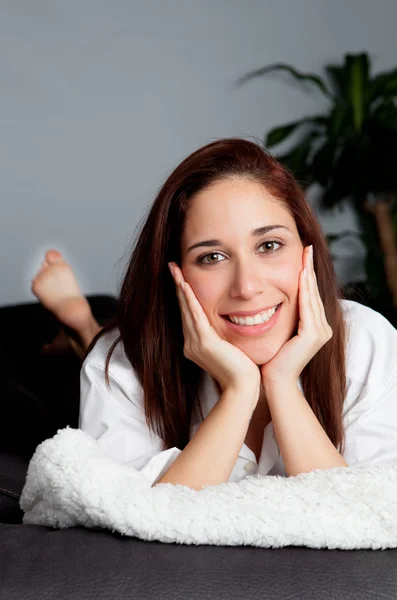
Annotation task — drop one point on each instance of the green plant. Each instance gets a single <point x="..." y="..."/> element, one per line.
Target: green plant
<point x="351" y="151"/>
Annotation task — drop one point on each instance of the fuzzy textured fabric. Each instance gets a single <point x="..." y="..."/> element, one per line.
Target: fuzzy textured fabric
<point x="72" y="482"/>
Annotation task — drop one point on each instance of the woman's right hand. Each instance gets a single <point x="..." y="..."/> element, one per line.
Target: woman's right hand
<point x="229" y="365"/>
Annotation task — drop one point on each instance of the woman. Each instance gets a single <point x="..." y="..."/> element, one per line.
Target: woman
<point x="310" y="383"/>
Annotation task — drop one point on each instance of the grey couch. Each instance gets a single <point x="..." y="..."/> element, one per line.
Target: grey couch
<point x="45" y="563"/>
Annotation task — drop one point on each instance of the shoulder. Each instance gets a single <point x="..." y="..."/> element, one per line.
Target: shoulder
<point x="121" y="373"/>
<point x="371" y="344"/>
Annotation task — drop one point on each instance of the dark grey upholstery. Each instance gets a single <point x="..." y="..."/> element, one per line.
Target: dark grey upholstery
<point x="44" y="563"/>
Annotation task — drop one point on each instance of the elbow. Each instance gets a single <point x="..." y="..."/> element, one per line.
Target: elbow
<point x="159" y="481"/>
<point x="155" y="483"/>
<point x="163" y="480"/>
<point x="295" y="472"/>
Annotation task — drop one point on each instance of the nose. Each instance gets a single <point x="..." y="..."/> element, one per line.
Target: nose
<point x="248" y="281"/>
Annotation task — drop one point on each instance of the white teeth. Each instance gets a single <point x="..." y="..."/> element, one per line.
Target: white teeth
<point x="260" y="318"/>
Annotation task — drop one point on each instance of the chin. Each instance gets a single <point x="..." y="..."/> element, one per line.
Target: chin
<point x="261" y="356"/>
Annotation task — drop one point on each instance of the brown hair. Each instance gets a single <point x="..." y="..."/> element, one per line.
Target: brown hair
<point x="149" y="317"/>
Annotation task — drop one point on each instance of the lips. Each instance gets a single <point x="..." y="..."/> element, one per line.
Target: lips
<point x="250" y="313"/>
<point x="254" y="330"/>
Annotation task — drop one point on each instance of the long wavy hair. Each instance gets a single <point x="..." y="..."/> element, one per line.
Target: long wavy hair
<point x="149" y="319"/>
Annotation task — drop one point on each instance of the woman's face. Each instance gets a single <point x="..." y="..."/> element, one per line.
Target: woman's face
<point x="234" y="270"/>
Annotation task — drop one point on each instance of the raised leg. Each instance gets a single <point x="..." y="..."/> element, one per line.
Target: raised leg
<point x="55" y="285"/>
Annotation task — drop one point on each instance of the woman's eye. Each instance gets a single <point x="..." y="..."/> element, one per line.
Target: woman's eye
<point x="272" y="242"/>
<point x="203" y="260"/>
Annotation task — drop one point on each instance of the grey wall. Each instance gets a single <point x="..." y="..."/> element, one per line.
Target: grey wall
<point x="100" y="100"/>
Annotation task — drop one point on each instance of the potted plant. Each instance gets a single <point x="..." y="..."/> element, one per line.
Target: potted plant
<point x="351" y="151"/>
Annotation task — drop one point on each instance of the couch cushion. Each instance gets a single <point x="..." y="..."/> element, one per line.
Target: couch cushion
<point x="13" y="471"/>
<point x="40" y="562"/>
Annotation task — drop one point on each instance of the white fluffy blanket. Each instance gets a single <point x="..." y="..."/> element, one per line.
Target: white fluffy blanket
<point x="71" y="482"/>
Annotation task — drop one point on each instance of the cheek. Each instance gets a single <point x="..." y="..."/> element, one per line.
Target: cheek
<point x="207" y="291"/>
<point x="288" y="279"/>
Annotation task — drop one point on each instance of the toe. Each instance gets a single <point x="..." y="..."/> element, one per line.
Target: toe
<point x="53" y="256"/>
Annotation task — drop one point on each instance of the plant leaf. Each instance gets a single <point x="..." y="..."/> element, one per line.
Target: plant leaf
<point x="317" y="81"/>
<point x="337" y="75"/>
<point x="296" y="160"/>
<point x="340" y="122"/>
<point x="384" y="84"/>
<point x="382" y="133"/>
<point x="333" y="237"/>
<point x="357" y="67"/>
<point x="280" y="133"/>
<point x="322" y="162"/>
<point x="332" y="196"/>
<point x="385" y="115"/>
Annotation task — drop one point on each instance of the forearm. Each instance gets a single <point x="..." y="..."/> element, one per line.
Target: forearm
<point x="302" y="441"/>
<point x="211" y="454"/>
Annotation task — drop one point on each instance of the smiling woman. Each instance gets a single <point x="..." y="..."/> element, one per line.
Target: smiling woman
<point x="241" y="357"/>
<point x="250" y="271"/>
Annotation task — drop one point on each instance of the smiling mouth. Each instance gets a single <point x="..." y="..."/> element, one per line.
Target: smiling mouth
<point x="229" y="319"/>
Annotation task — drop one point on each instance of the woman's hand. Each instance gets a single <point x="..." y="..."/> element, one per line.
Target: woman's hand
<point x="229" y="365"/>
<point x="313" y="332"/>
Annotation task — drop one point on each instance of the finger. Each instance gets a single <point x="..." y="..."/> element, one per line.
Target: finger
<point x="323" y="327"/>
<point x="313" y="290"/>
<point x="318" y="305"/>
<point x="307" y="296"/>
<point x="196" y="319"/>
<point x="187" y="320"/>
<point x="196" y="311"/>
<point x="320" y="301"/>
<point x="190" y="300"/>
<point x="306" y="315"/>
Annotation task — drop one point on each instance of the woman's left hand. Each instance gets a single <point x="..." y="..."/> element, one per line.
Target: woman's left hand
<point x="313" y="332"/>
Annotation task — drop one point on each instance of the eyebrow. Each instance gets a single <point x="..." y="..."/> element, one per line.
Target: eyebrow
<point x="255" y="232"/>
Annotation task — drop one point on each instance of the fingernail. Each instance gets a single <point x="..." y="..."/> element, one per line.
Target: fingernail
<point x="171" y="268"/>
<point x="311" y="253"/>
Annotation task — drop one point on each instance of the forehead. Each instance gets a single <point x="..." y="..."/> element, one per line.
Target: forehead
<point x="231" y="207"/>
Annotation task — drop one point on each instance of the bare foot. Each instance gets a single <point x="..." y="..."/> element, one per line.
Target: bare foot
<point x="56" y="287"/>
<point x="59" y="345"/>
<point x="65" y="344"/>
